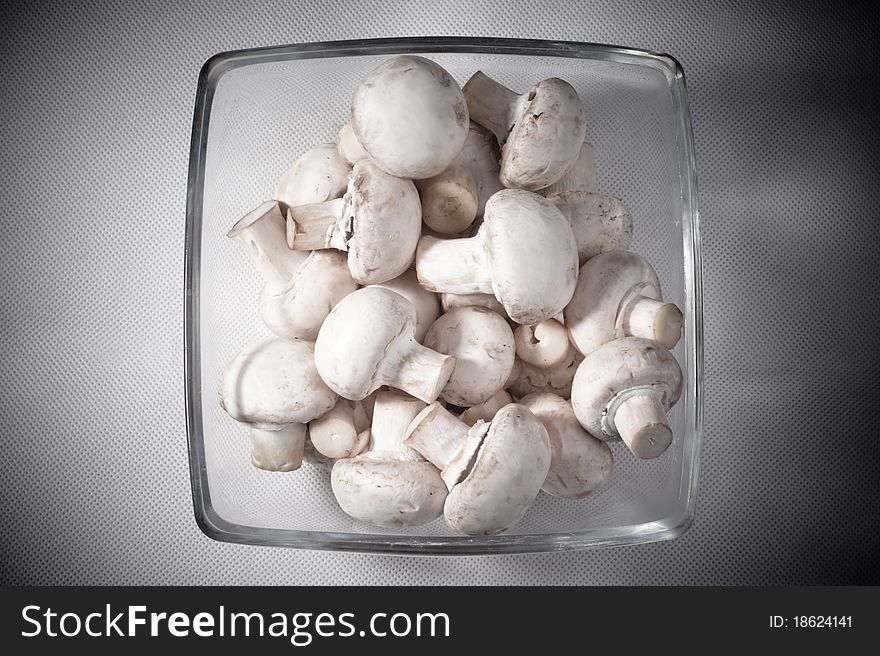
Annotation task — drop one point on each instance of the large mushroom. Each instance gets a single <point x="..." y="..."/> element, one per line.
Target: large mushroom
<point x="579" y="463"/>
<point x="274" y="388"/>
<point x="482" y="344"/>
<point x="378" y="221"/>
<point x="618" y="294"/>
<point x="623" y="390"/>
<point x="524" y="254"/>
<point x="540" y="131"/>
<point x="410" y="116"/>
<point x="453" y="198"/>
<point x="493" y="471"/>
<point x="299" y="289"/>
<point x="320" y="174"/>
<point x="427" y="304"/>
<point x="368" y="340"/>
<point x="390" y="484"/>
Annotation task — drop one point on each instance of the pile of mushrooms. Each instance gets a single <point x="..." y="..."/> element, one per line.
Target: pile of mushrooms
<point x="456" y="322"/>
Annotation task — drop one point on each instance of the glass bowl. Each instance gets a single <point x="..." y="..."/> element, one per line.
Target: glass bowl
<point x="258" y="110"/>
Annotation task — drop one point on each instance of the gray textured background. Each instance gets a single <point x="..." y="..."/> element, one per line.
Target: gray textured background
<point x="95" y="116"/>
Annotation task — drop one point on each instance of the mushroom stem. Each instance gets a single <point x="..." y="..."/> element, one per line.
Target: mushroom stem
<point x="392" y="415"/>
<point x="316" y="226"/>
<point x="418" y="370"/>
<point x="446" y="442"/>
<point x="641" y="422"/>
<point x="348" y="146"/>
<point x="278" y="450"/>
<point x="455" y="266"/>
<point x="262" y="233"/>
<point x="580" y="176"/>
<point x="491" y="104"/>
<point x="653" y="319"/>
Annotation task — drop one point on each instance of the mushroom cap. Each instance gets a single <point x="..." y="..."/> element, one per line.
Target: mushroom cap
<point x="275" y="383"/>
<point x="557" y="380"/>
<point x="410" y="116"/>
<point x="388" y="492"/>
<point x="427" y="304"/>
<point x="480" y="153"/>
<point x="384" y="217"/>
<point x="320" y="174"/>
<point x="617" y="370"/>
<point x="355" y="336"/>
<point x="546" y="138"/>
<point x="593" y="316"/>
<point x="510" y="467"/>
<point x="532" y="255"/>
<point x="483" y="346"/>
<point x="579" y="463"/>
<point x="297" y="309"/>
<point x="600" y="222"/>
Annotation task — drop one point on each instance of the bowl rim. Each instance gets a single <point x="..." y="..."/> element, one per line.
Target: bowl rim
<point x="218" y="528"/>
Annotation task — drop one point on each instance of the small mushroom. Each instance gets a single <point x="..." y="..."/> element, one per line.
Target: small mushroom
<point x="274" y="388"/>
<point x="410" y="116"/>
<point x="368" y="340"/>
<point x="319" y="175"/>
<point x="579" y="463"/>
<point x="427" y="304"/>
<point x="493" y="471"/>
<point x="524" y="254"/>
<point x="452" y="199"/>
<point x="391" y="484"/>
<point x="342" y="432"/>
<point x="347" y="145"/>
<point x="540" y="131"/>
<point x="580" y="176"/>
<point x="482" y="344"/>
<point x="557" y="380"/>
<point x="600" y="222"/>
<point x="378" y="222"/>
<point x="543" y="345"/>
<point x="624" y="389"/>
<point x="618" y="294"/>
<point x="486" y="411"/>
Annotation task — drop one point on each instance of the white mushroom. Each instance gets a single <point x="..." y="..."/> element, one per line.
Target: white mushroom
<point x="347" y="145"/>
<point x="624" y="389"/>
<point x="618" y="294"/>
<point x="493" y="471"/>
<point x="482" y="344"/>
<point x="427" y="304"/>
<point x="319" y="175"/>
<point x="453" y="198"/>
<point x="540" y="131"/>
<point x="579" y="463"/>
<point x="580" y="176"/>
<point x="391" y="484"/>
<point x="368" y="341"/>
<point x="543" y="345"/>
<point x="274" y="388"/>
<point x="410" y="116"/>
<point x="342" y="432"/>
<point x="486" y="411"/>
<point x="299" y="289"/>
<point x="556" y="380"/>
<point x="600" y="222"/>
<point x="297" y="309"/>
<point x="378" y="222"/>
<point x="524" y="254"/>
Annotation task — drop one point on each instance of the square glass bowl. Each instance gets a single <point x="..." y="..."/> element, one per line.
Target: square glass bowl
<point x="258" y="110"/>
